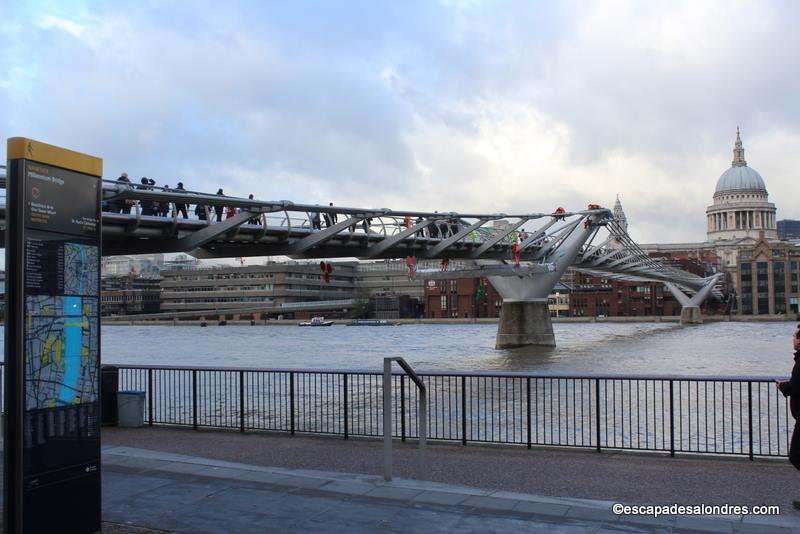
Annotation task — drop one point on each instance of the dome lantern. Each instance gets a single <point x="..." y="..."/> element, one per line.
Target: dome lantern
<point x="738" y="152"/>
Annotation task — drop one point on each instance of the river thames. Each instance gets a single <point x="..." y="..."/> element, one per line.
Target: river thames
<point x="722" y="348"/>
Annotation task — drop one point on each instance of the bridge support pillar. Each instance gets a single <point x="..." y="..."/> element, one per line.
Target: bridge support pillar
<point x="524" y="323"/>
<point x="691" y="315"/>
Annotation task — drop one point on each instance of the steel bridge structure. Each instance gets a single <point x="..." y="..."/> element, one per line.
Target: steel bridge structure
<point x="523" y="254"/>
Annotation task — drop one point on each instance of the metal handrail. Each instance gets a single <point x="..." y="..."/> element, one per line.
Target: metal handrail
<point x="743" y="416"/>
<point x="475" y="374"/>
<point x="422" y="408"/>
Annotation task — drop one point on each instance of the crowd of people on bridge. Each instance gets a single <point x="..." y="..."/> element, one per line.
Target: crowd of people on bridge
<point x="163" y="208"/>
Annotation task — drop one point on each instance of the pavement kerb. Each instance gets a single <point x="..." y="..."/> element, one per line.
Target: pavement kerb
<point x="422" y="491"/>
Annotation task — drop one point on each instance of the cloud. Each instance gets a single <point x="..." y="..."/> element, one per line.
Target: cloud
<point x="464" y="106"/>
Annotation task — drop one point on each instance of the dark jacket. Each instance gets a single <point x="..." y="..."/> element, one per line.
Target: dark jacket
<point x="791" y="388"/>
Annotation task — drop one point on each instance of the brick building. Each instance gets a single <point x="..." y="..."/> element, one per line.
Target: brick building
<point x="594" y="296"/>
<point x="461" y="298"/>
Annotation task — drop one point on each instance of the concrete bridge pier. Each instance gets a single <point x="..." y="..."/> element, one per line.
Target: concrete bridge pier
<point x="691" y="315"/>
<point x="524" y="323"/>
<point x="525" y="317"/>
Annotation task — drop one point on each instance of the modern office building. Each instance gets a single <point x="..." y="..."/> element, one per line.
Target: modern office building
<point x="228" y="288"/>
<point x="789" y="230"/>
<point x="380" y="290"/>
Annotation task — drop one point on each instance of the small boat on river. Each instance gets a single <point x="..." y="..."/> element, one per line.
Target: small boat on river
<point x="316" y="321"/>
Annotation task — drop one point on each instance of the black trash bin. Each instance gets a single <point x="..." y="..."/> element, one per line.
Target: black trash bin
<point x="109" y="383"/>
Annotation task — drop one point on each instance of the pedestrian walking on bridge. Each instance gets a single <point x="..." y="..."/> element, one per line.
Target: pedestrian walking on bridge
<point x="791" y="388"/>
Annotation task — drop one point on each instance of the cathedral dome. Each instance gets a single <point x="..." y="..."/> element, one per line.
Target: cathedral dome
<point x="740" y="177"/>
<point x="741" y="208"/>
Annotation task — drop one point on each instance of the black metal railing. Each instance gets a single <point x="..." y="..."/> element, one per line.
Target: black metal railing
<point x="722" y="415"/>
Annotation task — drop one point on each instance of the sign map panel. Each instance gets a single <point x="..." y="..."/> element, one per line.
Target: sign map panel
<point x="53" y="339"/>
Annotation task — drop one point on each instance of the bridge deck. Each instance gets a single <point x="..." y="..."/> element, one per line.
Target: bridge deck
<point x="282" y="228"/>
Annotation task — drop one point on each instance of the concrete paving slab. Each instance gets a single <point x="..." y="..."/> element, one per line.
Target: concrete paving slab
<point x="772" y="520"/>
<point x="617" y="528"/>
<point x="427" y="485"/>
<point x="302" y="482"/>
<point x="749" y="528"/>
<point x="594" y="514"/>
<point x="440" y="497"/>
<point x="266" y="477"/>
<point x="702" y="525"/>
<point x="124" y="487"/>
<point x="490" y="503"/>
<point x="147" y="453"/>
<point x="648" y="521"/>
<point x="389" y="492"/>
<point x="175" y="467"/>
<point x="541" y="508"/>
<point x="347" y="487"/>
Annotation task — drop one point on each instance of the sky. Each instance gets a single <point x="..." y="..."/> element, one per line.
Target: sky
<point x="451" y="105"/>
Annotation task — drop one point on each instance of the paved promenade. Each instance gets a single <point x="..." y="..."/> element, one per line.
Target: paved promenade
<point x="207" y="481"/>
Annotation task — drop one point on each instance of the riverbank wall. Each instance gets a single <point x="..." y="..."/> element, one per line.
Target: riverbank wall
<point x="129" y="321"/>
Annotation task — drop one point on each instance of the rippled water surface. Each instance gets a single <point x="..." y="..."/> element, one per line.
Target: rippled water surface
<point x="664" y="348"/>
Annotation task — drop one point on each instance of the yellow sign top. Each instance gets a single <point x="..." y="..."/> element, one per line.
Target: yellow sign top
<point x="23" y="148"/>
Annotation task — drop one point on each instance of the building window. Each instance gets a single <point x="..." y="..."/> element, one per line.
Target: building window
<point x="746" y="273"/>
<point x="779" y="286"/>
<point x="443" y="302"/>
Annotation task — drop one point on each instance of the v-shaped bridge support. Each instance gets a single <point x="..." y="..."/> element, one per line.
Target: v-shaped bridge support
<point x="690" y="305"/>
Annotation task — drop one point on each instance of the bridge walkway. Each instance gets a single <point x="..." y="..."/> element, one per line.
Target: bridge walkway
<point x="522" y="490"/>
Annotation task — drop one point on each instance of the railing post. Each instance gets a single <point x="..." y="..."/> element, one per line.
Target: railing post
<point x="671" y="421"/>
<point x="422" y="416"/>
<point x="528" y="402"/>
<point x="597" y="411"/>
<point x="403" y="408"/>
<point x="750" y="415"/>
<point x="241" y="401"/>
<point x="344" y="392"/>
<point x="463" y="410"/>
<point x="387" y="419"/>
<point x="422" y="411"/>
<point x="194" y="399"/>
<point x="291" y="402"/>
<point x="150" y="397"/>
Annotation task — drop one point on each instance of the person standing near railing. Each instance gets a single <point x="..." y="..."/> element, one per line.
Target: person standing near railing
<point x="219" y="210"/>
<point x="181" y="208"/>
<point x="791" y="388"/>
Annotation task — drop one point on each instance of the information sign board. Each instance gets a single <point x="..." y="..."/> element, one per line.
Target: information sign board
<point x="52" y="475"/>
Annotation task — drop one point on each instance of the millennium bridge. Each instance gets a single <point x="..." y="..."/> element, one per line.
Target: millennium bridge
<point x="522" y="254"/>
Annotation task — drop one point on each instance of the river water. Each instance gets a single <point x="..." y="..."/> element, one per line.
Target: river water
<point x="725" y="348"/>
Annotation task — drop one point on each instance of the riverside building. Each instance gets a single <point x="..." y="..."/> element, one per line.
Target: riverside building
<point x="275" y="284"/>
<point x="130" y="295"/>
<point x="381" y="289"/>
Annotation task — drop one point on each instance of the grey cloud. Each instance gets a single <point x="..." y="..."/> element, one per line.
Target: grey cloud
<point x="291" y="101"/>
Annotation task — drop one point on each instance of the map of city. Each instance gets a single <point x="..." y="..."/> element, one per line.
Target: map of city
<point x="61" y="338"/>
<point x="80" y="269"/>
